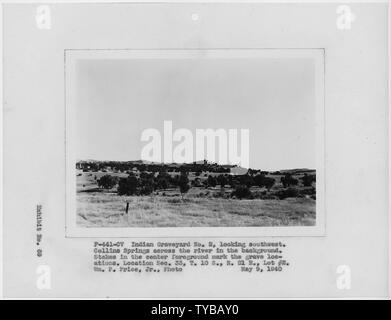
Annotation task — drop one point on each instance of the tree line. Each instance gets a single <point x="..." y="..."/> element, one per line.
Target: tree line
<point x="125" y="166"/>
<point x="147" y="183"/>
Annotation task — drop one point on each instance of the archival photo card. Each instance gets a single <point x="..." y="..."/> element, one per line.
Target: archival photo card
<point x="195" y="150"/>
<point x="213" y="141"/>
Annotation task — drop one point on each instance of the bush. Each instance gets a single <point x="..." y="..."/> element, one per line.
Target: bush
<point x="183" y="184"/>
<point x="196" y="182"/>
<point x="257" y="194"/>
<point x="246" y="180"/>
<point x="269" y="197"/>
<point x="128" y="186"/>
<point x="212" y="181"/>
<point x="288" y="193"/>
<point x="242" y="192"/>
<point x="263" y="181"/>
<point x="162" y="181"/>
<point x="288" y="180"/>
<point x="308" y="191"/>
<point x="308" y="179"/>
<point x="174" y="200"/>
<point x="222" y="180"/>
<point x="107" y="181"/>
<point x="220" y="194"/>
<point x="146" y="183"/>
<point x="146" y="190"/>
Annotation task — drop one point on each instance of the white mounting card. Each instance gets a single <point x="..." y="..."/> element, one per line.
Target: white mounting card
<point x="181" y="150"/>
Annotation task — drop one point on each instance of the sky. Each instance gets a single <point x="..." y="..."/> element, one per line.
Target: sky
<point x="272" y="97"/>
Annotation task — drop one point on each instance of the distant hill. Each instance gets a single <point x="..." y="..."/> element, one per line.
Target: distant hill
<point x="296" y="171"/>
<point x="202" y="165"/>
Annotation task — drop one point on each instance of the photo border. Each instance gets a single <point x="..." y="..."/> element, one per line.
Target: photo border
<point x="71" y="228"/>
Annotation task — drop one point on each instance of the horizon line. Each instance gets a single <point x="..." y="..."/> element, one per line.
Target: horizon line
<point x="210" y="162"/>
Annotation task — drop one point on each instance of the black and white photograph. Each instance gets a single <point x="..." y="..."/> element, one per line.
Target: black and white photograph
<point x="184" y="150"/>
<point x="207" y="138"/>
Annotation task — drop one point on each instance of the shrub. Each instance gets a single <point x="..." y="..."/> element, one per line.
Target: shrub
<point x="107" y="181"/>
<point x="196" y="182"/>
<point x="174" y="200"/>
<point x="308" y="179"/>
<point x="242" y="192"/>
<point x="146" y="189"/>
<point x="246" y="180"/>
<point x="212" y="182"/>
<point x="183" y="183"/>
<point x="162" y="181"/>
<point x="222" y="180"/>
<point x="269" y="197"/>
<point x="287" y="193"/>
<point x="220" y="194"/>
<point x="128" y="186"/>
<point x="288" y="180"/>
<point x="263" y="181"/>
<point x="308" y="191"/>
<point x="146" y="183"/>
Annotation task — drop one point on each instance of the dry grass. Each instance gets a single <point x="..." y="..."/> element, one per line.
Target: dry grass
<point x="97" y="208"/>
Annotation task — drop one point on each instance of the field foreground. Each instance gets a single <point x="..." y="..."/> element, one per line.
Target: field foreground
<point x="107" y="209"/>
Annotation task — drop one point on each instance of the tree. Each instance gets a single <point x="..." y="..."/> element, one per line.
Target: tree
<point x="259" y="180"/>
<point x="196" y="182"/>
<point x="212" y="182"/>
<point x="262" y="181"/>
<point x="162" y="180"/>
<point x="308" y="179"/>
<point x="246" y="180"/>
<point x="222" y="180"/>
<point x="183" y="183"/>
<point x="230" y="181"/>
<point x="142" y="167"/>
<point x="288" y="193"/>
<point x="107" y="181"/>
<point x="269" y="183"/>
<point x="128" y="186"/>
<point x="146" y="189"/>
<point x="288" y="180"/>
<point x="146" y="183"/>
<point x="242" y="191"/>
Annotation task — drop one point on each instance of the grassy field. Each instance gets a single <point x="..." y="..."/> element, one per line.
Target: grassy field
<point x="99" y="208"/>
